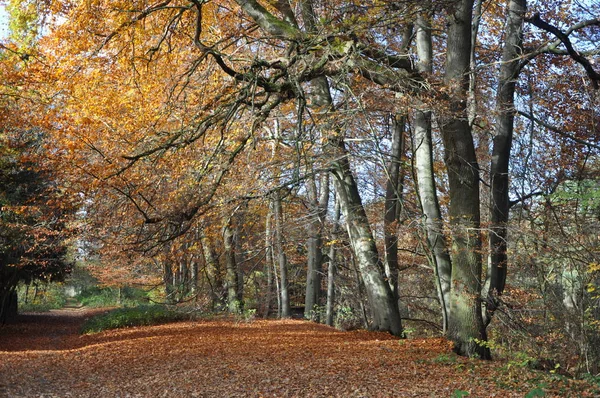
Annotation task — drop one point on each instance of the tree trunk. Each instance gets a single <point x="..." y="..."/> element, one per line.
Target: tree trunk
<point x="313" y="273"/>
<point x="465" y="325"/>
<point x="318" y="210"/>
<point x="502" y="144"/>
<point x="286" y="310"/>
<point x="193" y="275"/>
<point x="472" y="101"/>
<point x="277" y="287"/>
<point x="240" y="258"/>
<point x="8" y="305"/>
<point x="359" y="285"/>
<point x="384" y="307"/>
<point x="386" y="316"/>
<point x="212" y="271"/>
<point x="393" y="203"/>
<point x="426" y="189"/>
<point x="268" y="265"/>
<point x="234" y="304"/>
<point x="168" y="280"/>
<point x="183" y="282"/>
<point x="332" y="268"/>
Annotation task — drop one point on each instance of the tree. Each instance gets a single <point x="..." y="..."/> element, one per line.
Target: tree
<point x="34" y="234"/>
<point x="502" y="145"/>
<point x="279" y="254"/>
<point x="234" y="296"/>
<point x="318" y="203"/>
<point x="393" y="203"/>
<point x="35" y="214"/>
<point x="428" y="198"/>
<point x="465" y="323"/>
<point x="332" y="266"/>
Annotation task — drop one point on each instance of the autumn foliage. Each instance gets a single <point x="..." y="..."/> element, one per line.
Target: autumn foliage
<point x="240" y="155"/>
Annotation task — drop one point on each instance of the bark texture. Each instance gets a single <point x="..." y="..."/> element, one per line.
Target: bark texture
<point x="465" y="324"/>
<point x="285" y="309"/>
<point x="332" y="268"/>
<point x="234" y="300"/>
<point x="393" y="203"/>
<point x="426" y="186"/>
<point x="318" y="198"/>
<point x="268" y="264"/>
<point x="383" y="305"/>
<point x="502" y="144"/>
<point x="212" y="271"/>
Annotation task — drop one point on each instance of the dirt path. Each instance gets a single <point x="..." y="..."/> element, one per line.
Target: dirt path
<point x="43" y="356"/>
<point x="53" y="330"/>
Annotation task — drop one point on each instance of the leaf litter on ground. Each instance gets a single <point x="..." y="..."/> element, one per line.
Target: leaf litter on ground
<point x="44" y="355"/>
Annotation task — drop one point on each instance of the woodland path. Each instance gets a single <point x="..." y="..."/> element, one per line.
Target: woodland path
<point x="44" y="356"/>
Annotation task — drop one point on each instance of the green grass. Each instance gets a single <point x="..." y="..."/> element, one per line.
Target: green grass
<point x="143" y="315"/>
<point x="98" y="298"/>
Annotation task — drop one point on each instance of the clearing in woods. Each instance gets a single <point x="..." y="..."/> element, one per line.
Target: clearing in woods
<point x="43" y="355"/>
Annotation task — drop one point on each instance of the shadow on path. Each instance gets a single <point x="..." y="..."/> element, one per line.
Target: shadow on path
<point x="53" y="330"/>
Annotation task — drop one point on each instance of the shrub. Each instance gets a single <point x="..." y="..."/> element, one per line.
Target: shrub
<point x="41" y="299"/>
<point x="347" y="319"/>
<point x="144" y="315"/>
<point x="97" y="297"/>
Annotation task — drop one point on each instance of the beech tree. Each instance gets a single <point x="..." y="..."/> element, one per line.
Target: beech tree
<point x="36" y="214"/>
<point x="464" y="170"/>
<point x="426" y="186"/>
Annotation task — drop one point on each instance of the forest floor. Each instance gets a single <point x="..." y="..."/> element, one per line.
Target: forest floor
<point x="43" y="355"/>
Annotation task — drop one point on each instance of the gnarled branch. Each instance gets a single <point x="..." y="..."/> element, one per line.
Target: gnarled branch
<point x="594" y="76"/>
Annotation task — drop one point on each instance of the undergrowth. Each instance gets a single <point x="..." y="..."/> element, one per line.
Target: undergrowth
<point x="144" y="315"/>
<point x="43" y="298"/>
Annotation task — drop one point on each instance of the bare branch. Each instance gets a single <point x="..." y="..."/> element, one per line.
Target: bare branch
<point x="594" y="76"/>
<point x="558" y="131"/>
<point x="137" y="18"/>
<point x="523" y="198"/>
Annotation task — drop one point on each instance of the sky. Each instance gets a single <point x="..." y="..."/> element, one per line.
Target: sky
<point x="3" y="22"/>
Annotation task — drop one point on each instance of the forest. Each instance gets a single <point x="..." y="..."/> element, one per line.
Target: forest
<point x="423" y="168"/>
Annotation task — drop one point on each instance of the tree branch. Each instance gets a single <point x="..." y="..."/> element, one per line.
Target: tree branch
<point x="558" y="131"/>
<point x="524" y="198"/>
<point x="594" y="76"/>
<point x="137" y="18"/>
<point x="267" y="21"/>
